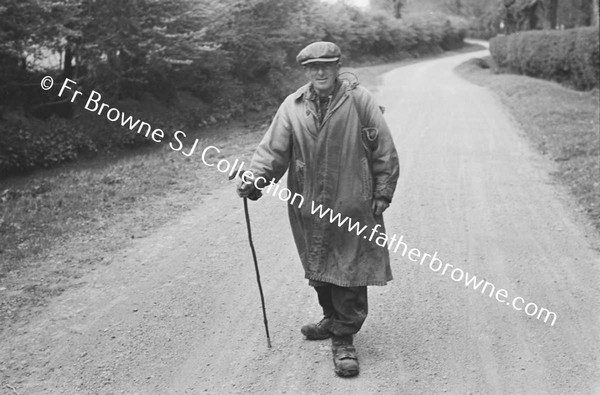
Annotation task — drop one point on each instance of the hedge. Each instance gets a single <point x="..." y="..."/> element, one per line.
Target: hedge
<point x="570" y="57"/>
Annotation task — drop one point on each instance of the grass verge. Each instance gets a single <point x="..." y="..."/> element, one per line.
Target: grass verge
<point x="562" y="123"/>
<point x="57" y="225"/>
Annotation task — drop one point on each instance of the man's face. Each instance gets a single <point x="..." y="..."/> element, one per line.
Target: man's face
<point x="323" y="75"/>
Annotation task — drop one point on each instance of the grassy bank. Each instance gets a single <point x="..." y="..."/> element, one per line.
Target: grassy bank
<point x="59" y="224"/>
<point x="562" y="123"/>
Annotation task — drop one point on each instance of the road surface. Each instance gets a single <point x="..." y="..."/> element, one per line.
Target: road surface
<point x="178" y="312"/>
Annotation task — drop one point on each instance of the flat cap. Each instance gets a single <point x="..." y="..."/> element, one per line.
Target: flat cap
<point x="320" y="51"/>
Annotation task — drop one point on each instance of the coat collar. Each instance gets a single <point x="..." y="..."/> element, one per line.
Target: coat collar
<point x="306" y="92"/>
<point x="307" y="95"/>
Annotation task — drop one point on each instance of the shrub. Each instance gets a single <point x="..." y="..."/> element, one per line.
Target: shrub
<point x="570" y="57"/>
<point x="29" y="143"/>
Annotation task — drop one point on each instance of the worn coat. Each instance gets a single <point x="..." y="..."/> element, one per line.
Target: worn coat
<point x="341" y="164"/>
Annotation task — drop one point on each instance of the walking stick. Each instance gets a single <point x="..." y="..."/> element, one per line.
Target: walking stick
<point x="262" y="297"/>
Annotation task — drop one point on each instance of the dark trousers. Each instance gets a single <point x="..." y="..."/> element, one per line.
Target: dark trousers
<point x="347" y="306"/>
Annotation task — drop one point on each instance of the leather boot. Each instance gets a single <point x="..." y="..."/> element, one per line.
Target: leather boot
<point x="345" y="360"/>
<point x="318" y="331"/>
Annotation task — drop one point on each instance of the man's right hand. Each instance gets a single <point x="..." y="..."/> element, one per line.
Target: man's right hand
<point x="249" y="190"/>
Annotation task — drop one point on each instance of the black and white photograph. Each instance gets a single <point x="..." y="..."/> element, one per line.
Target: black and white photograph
<point x="299" y="197"/>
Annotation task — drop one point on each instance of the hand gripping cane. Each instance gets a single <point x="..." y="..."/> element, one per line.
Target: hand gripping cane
<point x="262" y="297"/>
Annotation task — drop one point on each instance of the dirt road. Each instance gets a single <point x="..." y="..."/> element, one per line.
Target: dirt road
<point x="178" y="311"/>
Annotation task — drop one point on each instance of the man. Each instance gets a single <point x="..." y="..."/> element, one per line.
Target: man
<point x="333" y="138"/>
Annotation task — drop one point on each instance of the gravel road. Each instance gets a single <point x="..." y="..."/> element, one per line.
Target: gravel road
<point x="178" y="312"/>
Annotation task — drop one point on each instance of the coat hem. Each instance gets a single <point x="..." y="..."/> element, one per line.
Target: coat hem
<point x="345" y="283"/>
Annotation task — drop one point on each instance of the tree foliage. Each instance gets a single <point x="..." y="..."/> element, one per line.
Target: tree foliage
<point x="162" y="46"/>
<point x="490" y="17"/>
<point x="231" y="55"/>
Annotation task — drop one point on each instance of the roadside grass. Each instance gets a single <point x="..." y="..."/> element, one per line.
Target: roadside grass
<point x="57" y="225"/>
<point x="562" y="123"/>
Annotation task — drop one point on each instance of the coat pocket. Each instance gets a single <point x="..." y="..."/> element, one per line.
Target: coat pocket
<point x="299" y="170"/>
<point x="370" y="141"/>
<point x="367" y="180"/>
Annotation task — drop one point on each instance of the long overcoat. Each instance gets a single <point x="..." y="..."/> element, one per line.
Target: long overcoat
<point x="341" y="164"/>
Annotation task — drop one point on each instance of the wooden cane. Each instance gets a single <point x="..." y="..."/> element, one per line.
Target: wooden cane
<point x="262" y="297"/>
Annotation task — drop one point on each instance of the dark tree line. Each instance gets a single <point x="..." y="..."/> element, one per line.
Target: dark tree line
<point x="552" y="14"/>
<point x="507" y="16"/>
<point x="126" y="47"/>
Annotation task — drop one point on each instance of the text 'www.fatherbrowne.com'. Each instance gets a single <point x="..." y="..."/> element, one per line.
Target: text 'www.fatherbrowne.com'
<point x="435" y="264"/>
<point x="398" y="245"/>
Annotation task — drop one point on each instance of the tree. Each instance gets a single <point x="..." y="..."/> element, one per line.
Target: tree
<point x="530" y="14"/>
<point x="398" y="4"/>
<point x="552" y="13"/>
<point x="469" y="8"/>
<point x="521" y="14"/>
<point x="393" y="7"/>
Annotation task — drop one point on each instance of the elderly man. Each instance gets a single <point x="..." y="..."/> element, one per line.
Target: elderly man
<point x="332" y="137"/>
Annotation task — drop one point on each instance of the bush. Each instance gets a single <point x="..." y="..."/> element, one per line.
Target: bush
<point x="29" y="143"/>
<point x="570" y="57"/>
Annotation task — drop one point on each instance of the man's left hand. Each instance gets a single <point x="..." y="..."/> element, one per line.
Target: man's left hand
<point x="379" y="206"/>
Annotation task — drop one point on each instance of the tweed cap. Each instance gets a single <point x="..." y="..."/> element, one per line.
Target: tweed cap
<point x="320" y="51"/>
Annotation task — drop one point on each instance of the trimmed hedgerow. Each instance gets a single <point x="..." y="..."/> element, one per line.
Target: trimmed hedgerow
<point x="570" y="57"/>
